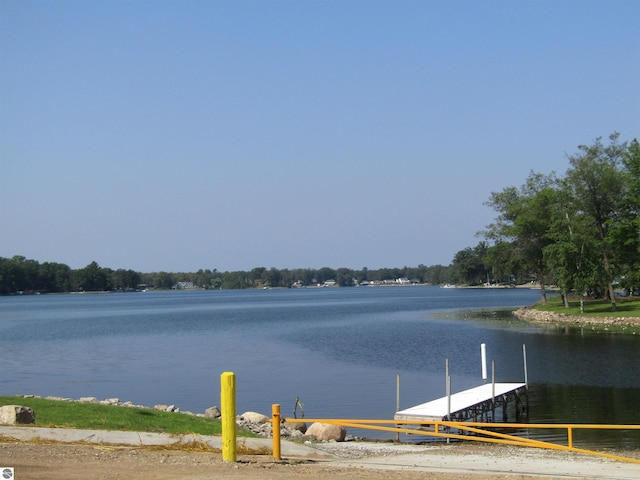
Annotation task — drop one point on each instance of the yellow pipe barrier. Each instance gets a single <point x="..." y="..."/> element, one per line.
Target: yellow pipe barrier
<point x="228" y="406"/>
<point x="570" y="436"/>
<point x="487" y="435"/>
<point x="275" y="428"/>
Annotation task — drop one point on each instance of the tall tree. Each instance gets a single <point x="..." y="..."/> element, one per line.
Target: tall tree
<point x="523" y="221"/>
<point x="598" y="188"/>
<point x="469" y="265"/>
<point x="626" y="229"/>
<point x="92" y="278"/>
<point x="573" y="254"/>
<point x="125" y="279"/>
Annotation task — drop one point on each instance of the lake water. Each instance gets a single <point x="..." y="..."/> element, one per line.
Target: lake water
<point x="338" y="349"/>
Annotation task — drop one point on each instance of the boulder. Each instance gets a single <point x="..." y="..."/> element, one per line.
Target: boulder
<point x="166" y="408"/>
<point x="212" y="412"/>
<point x="297" y="426"/>
<point x="15" y="414"/>
<point x="326" y="432"/>
<point x="254" y="417"/>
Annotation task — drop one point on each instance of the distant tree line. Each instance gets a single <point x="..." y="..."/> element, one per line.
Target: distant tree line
<point x="18" y="274"/>
<point x="21" y="275"/>
<point x="580" y="232"/>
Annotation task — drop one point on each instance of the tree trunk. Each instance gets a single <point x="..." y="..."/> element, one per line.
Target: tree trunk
<point x="565" y="297"/>
<point x="543" y="292"/>
<point x="612" y="297"/>
<point x="607" y="269"/>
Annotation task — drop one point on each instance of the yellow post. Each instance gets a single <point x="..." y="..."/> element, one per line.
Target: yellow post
<point x="228" y="406"/>
<point x="275" y="427"/>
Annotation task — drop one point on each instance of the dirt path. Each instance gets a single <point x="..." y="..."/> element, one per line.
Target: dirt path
<point x="465" y="462"/>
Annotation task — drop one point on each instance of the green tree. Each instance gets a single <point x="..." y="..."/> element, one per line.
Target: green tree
<point x="55" y="277"/>
<point x="344" y="277"/>
<point x="9" y="276"/>
<point x="524" y="223"/>
<point x="91" y="278"/>
<point x="161" y="280"/>
<point x="625" y="231"/>
<point x="598" y="189"/>
<point x="437" y="275"/>
<point x="324" y="274"/>
<point x="125" y="279"/>
<point x="235" y="280"/>
<point x="573" y="254"/>
<point x="469" y="267"/>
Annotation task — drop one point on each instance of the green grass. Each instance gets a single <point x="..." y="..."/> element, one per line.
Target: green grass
<point x="625" y="307"/>
<point x="56" y="413"/>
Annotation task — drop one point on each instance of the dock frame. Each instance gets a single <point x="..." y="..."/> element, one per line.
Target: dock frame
<point x="477" y="404"/>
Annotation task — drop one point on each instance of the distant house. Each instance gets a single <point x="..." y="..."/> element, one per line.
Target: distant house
<point x="329" y="283"/>
<point x="183" y="286"/>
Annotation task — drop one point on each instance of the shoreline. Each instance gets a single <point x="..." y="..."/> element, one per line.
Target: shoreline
<point x="530" y="314"/>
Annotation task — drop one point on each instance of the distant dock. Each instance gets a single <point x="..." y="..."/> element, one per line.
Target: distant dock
<point x="477" y="404"/>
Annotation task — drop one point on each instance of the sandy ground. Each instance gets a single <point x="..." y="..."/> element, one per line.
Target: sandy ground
<point x="53" y="461"/>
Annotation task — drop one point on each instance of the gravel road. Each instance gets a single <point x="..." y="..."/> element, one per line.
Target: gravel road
<point x="353" y="460"/>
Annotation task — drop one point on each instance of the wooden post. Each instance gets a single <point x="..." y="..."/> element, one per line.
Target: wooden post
<point x="275" y="427"/>
<point x="228" y="405"/>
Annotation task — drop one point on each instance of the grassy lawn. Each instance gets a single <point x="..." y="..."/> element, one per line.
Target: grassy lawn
<point x="55" y="413"/>
<point x="625" y="307"/>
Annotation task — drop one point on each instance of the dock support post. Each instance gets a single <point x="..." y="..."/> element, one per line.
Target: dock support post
<point x="526" y="378"/>
<point x="398" y="402"/>
<point x="493" y="390"/>
<point x="228" y="404"/>
<point x="448" y="392"/>
<point x="505" y="404"/>
<point x="483" y="359"/>
<point x="275" y="430"/>
<point x="524" y="358"/>
<point x="449" y="397"/>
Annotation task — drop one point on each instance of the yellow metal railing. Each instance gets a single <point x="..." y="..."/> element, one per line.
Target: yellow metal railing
<point x="482" y="432"/>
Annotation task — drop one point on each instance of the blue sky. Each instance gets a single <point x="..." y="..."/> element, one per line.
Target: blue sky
<point x="178" y="135"/>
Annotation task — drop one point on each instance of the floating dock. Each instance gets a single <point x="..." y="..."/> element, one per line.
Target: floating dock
<point x="477" y="404"/>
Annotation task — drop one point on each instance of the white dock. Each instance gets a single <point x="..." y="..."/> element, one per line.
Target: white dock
<point x="465" y="404"/>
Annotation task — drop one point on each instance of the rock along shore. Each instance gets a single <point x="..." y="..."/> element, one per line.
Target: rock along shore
<point x="255" y="422"/>
<point x="532" y="315"/>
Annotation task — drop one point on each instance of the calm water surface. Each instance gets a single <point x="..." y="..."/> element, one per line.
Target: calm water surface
<point x="339" y="350"/>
